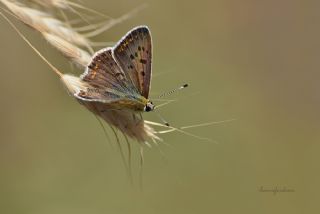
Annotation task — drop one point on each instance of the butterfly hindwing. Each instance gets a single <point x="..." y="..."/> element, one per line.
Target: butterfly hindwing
<point x="134" y="55"/>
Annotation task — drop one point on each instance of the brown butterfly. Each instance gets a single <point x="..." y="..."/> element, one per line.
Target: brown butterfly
<point x="119" y="77"/>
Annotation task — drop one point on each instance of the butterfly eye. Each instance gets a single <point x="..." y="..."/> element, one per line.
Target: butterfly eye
<point x="147" y="108"/>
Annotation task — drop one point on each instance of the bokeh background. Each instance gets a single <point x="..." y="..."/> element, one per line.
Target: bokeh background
<point x="256" y="61"/>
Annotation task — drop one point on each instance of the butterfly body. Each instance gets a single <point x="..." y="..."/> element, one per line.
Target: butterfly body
<point x="119" y="77"/>
<point x="132" y="104"/>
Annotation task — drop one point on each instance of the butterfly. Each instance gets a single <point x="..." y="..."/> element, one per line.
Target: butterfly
<point x="120" y="76"/>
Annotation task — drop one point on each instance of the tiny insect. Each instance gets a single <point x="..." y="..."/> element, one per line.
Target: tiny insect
<point x="115" y="87"/>
<point x="120" y="76"/>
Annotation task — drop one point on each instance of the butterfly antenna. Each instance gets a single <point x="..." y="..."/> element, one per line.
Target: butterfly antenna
<point x="173" y="91"/>
<point x="161" y="118"/>
<point x="166" y="94"/>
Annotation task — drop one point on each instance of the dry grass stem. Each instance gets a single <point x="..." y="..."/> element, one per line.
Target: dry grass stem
<point x="114" y="22"/>
<point x="77" y="55"/>
<point x="45" y="23"/>
<point x="62" y="4"/>
<point x="70" y="43"/>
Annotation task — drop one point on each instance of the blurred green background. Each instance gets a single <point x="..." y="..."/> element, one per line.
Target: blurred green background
<point x="256" y="61"/>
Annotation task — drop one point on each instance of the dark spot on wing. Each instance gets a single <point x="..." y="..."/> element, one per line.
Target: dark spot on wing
<point x="142" y="73"/>
<point x="139" y="48"/>
<point x="136" y="54"/>
<point x="131" y="56"/>
<point x="143" y="61"/>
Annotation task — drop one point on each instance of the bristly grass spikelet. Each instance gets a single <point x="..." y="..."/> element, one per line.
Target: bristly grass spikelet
<point x="116" y="81"/>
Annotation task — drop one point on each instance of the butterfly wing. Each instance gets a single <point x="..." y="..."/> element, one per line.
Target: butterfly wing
<point x="134" y="54"/>
<point x="108" y="83"/>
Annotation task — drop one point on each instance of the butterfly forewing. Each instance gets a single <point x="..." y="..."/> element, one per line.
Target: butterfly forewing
<point x="107" y="81"/>
<point x="134" y="55"/>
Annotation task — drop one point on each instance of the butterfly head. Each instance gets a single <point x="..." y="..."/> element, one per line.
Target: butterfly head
<point x="149" y="106"/>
